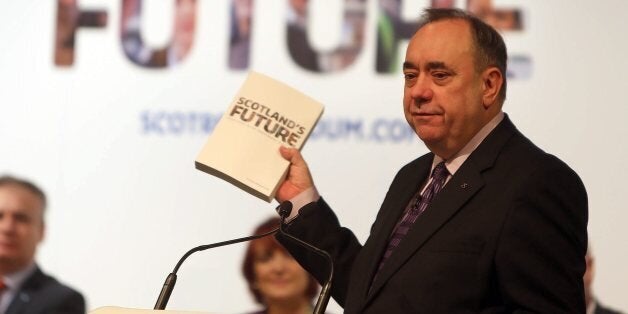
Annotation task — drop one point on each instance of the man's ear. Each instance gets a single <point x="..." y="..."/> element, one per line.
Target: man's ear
<point x="492" y="81"/>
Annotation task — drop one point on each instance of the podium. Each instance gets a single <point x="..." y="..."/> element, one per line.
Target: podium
<point x="122" y="310"/>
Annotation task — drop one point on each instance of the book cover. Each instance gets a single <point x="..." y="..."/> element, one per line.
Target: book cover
<point x="243" y="148"/>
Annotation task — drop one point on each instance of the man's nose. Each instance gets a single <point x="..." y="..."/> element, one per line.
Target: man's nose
<point x="421" y="92"/>
<point x="6" y="224"/>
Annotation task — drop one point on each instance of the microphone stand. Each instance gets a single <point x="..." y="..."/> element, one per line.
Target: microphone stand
<point x="323" y="298"/>
<point x="166" y="290"/>
<point x="284" y="210"/>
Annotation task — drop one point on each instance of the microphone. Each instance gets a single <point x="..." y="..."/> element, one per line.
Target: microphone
<point x="171" y="280"/>
<point x="323" y="298"/>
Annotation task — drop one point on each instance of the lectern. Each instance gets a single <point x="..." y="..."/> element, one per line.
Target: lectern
<point x="121" y="310"/>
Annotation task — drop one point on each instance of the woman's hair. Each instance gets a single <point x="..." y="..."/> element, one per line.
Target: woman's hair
<point x="271" y="244"/>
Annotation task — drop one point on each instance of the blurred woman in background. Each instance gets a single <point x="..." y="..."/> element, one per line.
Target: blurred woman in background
<point x="276" y="280"/>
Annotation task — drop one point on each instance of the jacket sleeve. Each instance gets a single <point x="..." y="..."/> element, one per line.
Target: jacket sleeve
<point x="318" y="225"/>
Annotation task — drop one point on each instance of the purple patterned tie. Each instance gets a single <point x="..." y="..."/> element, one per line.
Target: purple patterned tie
<point x="439" y="176"/>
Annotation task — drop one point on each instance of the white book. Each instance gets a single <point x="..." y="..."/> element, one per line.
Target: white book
<point x="243" y="148"/>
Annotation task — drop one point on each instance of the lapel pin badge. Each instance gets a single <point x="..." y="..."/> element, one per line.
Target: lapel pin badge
<point x="464" y="185"/>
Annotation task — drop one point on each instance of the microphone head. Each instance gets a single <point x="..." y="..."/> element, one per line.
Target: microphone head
<point x="285" y="208"/>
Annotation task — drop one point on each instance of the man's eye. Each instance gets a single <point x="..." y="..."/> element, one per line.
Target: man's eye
<point x="440" y="75"/>
<point x="22" y="218"/>
<point x="409" y="76"/>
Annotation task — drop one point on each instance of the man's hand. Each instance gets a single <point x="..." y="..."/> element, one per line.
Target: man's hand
<point x="298" y="178"/>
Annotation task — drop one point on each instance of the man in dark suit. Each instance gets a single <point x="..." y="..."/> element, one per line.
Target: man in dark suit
<point x="498" y="227"/>
<point x="24" y="288"/>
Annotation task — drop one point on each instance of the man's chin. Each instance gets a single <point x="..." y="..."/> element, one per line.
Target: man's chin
<point x="429" y="136"/>
<point x="7" y="256"/>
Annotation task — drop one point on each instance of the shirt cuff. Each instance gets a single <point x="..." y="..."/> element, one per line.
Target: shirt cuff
<point x="308" y="196"/>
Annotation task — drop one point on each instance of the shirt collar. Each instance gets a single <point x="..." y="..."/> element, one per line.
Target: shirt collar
<point x="455" y="162"/>
<point x="15" y="280"/>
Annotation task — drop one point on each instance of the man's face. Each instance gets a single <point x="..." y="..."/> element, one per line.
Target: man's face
<point x="21" y="227"/>
<point x="443" y="93"/>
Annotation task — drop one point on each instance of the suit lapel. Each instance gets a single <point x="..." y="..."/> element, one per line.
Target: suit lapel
<point x="461" y="187"/>
<point x="453" y="195"/>
<point x="19" y="302"/>
<point x="391" y="211"/>
<point x="24" y="295"/>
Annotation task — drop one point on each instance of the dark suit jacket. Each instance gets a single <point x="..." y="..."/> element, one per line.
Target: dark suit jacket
<point x="506" y="234"/>
<point x="42" y="294"/>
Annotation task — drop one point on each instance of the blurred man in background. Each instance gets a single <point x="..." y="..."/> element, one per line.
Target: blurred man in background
<point x="24" y="288"/>
<point x="593" y="305"/>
